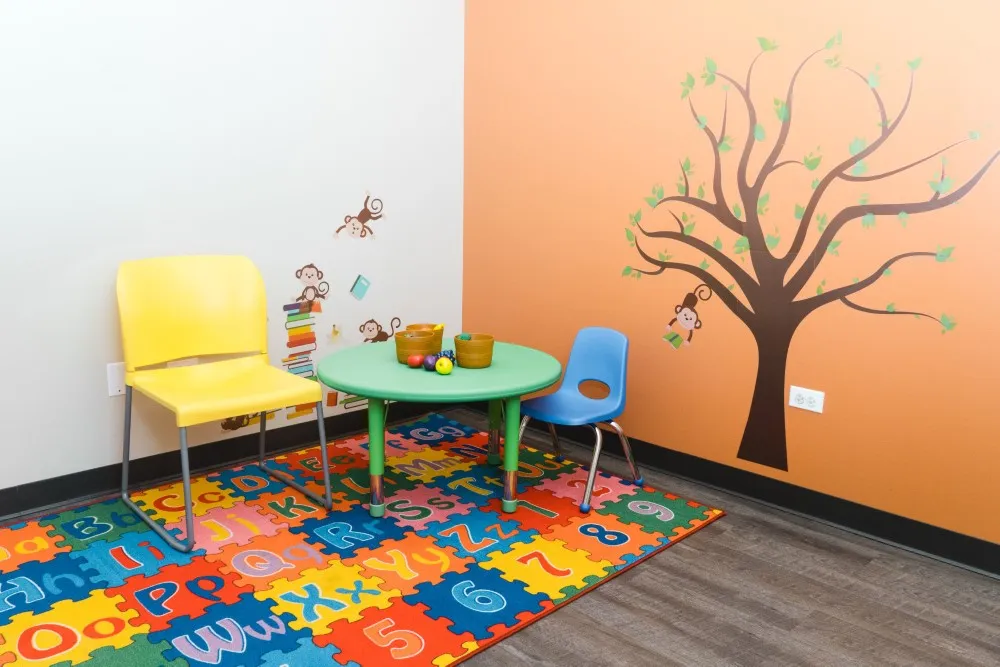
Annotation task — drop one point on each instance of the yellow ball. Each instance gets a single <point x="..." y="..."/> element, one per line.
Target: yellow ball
<point x="443" y="366"/>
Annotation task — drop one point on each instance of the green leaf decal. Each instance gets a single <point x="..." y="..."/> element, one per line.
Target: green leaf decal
<point x="832" y="248"/>
<point x="944" y="254"/>
<point x="780" y="109"/>
<point x="887" y="273"/>
<point x="637" y="275"/>
<point x="704" y="265"/>
<point x="868" y="220"/>
<point x="947" y="323"/>
<point x="822" y="219"/>
<point x="758" y="132"/>
<point x="701" y="191"/>
<point x="819" y="288"/>
<point x="710" y="65"/>
<point x="731" y="287"/>
<point x="941" y="186"/>
<point x="627" y="270"/>
<point x="687" y="85"/>
<point x="742" y="245"/>
<point x="800" y="211"/>
<point x="717" y="243"/>
<point x="836" y="40"/>
<point x="832" y="62"/>
<point x="767" y="44"/>
<point x="772" y="241"/>
<point x="630" y="236"/>
<point x="652" y="201"/>
<point x="702" y="122"/>
<point x="737" y="211"/>
<point x="854" y="281"/>
<point x="689" y="229"/>
<point x="658" y="192"/>
<point x="914" y="64"/>
<point x="724" y="145"/>
<point x="891" y="308"/>
<point x="687" y="167"/>
<point x="638" y="215"/>
<point x="681" y="187"/>
<point x="812" y="161"/>
<point x="973" y="135"/>
<point x="873" y="78"/>
<point x="664" y="257"/>
<point x="815" y="183"/>
<point x="860" y="168"/>
<point x="762" y="203"/>
<point x="857" y="145"/>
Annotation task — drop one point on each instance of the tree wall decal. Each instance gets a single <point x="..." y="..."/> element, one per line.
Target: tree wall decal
<point x="770" y="306"/>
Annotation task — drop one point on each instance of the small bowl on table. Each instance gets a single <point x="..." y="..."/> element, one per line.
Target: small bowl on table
<point x="414" y="342"/>
<point x="474" y="350"/>
<point x="438" y="334"/>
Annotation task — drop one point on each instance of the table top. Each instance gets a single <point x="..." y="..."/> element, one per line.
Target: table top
<point x="371" y="370"/>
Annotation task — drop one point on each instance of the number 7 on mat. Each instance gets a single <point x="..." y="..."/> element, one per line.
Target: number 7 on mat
<point x="544" y="563"/>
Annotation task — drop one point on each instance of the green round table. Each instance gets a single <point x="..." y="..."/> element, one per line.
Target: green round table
<point x="370" y="370"/>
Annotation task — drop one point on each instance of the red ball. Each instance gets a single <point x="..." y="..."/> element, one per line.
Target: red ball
<point x="415" y="360"/>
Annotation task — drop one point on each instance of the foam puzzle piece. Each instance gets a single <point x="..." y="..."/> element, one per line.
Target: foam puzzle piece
<point x="278" y="581"/>
<point x="546" y="566"/>
<point x="399" y="635"/>
<point x="107" y="521"/>
<point x="308" y="654"/>
<point x="480" y="534"/>
<point x="230" y="635"/>
<point x="403" y="563"/>
<point x="318" y="597"/>
<point x="71" y="630"/>
<point x="29" y="542"/>
<point x="166" y="503"/>
<point x="35" y="587"/>
<point x="140" y="653"/>
<point x="415" y="508"/>
<point x="477" y="602"/>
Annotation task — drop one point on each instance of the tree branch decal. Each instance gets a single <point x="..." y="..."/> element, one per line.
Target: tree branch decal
<point x="770" y="303"/>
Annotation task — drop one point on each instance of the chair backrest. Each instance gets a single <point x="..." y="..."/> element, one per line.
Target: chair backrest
<point x="601" y="354"/>
<point x="201" y="305"/>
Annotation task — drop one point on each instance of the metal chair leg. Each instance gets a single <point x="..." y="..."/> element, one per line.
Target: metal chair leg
<point x="555" y="443"/>
<point x="524" y="426"/>
<point x="627" y="448"/>
<point x="326" y="501"/>
<point x="188" y="543"/>
<point x="592" y="474"/>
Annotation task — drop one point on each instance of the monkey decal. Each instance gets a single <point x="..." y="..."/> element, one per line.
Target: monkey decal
<point x="357" y="225"/>
<point x="374" y="333"/>
<point x="236" y="423"/>
<point x="314" y="287"/>
<point x="686" y="316"/>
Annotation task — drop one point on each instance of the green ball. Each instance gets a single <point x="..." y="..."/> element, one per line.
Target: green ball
<point x="465" y="336"/>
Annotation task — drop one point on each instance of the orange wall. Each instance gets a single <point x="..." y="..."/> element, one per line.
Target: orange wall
<point x="573" y="115"/>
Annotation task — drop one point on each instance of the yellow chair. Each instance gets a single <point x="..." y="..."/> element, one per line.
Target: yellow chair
<point x="173" y="308"/>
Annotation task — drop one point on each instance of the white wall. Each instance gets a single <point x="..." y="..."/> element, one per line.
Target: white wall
<point x="132" y="129"/>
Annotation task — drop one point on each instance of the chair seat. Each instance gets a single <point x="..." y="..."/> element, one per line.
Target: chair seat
<point x="214" y="391"/>
<point x="570" y="408"/>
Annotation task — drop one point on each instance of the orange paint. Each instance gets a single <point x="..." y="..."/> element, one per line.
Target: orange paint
<point x="574" y="113"/>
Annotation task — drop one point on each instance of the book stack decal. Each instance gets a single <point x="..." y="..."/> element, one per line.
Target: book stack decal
<point x="300" y="323"/>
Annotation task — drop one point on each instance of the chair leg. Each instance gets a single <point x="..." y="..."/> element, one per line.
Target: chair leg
<point x="188" y="544"/>
<point x="592" y="474"/>
<point x="627" y="448"/>
<point x="555" y="443"/>
<point x="326" y="501"/>
<point x="524" y="427"/>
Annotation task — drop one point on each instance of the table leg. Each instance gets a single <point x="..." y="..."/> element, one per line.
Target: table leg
<point x="493" y="455"/>
<point x="376" y="454"/>
<point x="512" y="409"/>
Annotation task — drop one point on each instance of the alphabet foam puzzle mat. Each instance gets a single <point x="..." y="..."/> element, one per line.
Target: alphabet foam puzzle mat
<point x="276" y="581"/>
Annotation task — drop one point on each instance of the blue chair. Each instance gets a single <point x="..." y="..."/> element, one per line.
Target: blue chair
<point x="599" y="354"/>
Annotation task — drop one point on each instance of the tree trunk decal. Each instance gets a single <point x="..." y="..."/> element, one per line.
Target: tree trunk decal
<point x="772" y="299"/>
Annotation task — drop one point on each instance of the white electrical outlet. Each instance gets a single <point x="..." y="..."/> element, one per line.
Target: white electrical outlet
<point x="806" y="399"/>
<point x="116" y="379"/>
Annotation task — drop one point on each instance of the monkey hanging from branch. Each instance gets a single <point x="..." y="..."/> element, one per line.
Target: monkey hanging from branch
<point x="314" y="285"/>
<point x="357" y="225"/>
<point x="686" y="316"/>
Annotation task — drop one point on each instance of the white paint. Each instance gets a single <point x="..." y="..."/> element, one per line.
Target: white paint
<point x="132" y="129"/>
<point x="116" y="378"/>
<point x="806" y="399"/>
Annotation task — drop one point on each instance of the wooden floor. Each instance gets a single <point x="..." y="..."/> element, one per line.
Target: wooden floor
<point x="761" y="587"/>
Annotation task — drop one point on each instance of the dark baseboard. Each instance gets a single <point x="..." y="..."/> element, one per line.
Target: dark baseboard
<point x="959" y="548"/>
<point x="18" y="501"/>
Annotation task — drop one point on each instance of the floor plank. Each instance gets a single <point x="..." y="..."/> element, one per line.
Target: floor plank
<point x="763" y="587"/>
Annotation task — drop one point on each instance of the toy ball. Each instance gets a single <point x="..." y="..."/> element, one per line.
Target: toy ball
<point x="450" y="354"/>
<point x="465" y="336"/>
<point x="429" y="362"/>
<point x="443" y="365"/>
<point x="438" y="327"/>
<point x="415" y="360"/>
